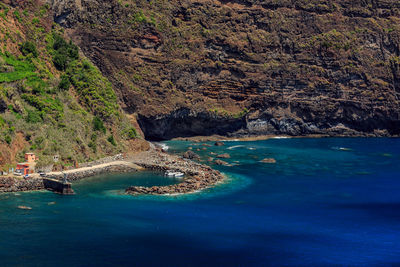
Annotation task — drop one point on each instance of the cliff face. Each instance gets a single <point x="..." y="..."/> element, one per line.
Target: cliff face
<point x="292" y="67"/>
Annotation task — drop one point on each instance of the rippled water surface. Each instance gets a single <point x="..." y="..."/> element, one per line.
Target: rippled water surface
<point x="325" y="202"/>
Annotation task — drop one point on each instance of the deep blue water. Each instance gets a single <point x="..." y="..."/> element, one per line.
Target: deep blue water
<point x="325" y="202"/>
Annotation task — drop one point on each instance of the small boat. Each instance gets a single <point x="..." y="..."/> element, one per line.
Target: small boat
<point x="24" y="208"/>
<point x="179" y="174"/>
<point x="170" y="173"/>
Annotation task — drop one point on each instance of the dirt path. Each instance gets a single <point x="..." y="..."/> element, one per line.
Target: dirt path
<point x="99" y="166"/>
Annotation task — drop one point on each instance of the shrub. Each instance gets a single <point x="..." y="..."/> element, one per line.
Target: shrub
<point x="17" y="15"/>
<point x="92" y="143"/>
<point x="64" y="52"/>
<point x="93" y="146"/>
<point x="98" y="125"/>
<point x="8" y="139"/>
<point x="29" y="48"/>
<point x="64" y="83"/>
<point x="33" y="117"/>
<point x="112" y="140"/>
<point x="60" y="61"/>
<point x="132" y="133"/>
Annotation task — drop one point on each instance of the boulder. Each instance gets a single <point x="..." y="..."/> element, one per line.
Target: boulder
<point x="191" y="155"/>
<point x="219" y="144"/>
<point x="220" y="162"/>
<point x="224" y="156"/>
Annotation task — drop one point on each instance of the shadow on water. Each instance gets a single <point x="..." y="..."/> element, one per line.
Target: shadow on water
<point x="383" y="211"/>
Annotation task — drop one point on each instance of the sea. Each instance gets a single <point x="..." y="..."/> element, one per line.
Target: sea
<point x="325" y="202"/>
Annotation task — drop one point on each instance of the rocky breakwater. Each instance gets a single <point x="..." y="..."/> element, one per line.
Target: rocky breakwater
<point x="19" y="184"/>
<point x="198" y="176"/>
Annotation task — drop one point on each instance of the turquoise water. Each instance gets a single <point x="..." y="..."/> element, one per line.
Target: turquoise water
<point x="325" y="202"/>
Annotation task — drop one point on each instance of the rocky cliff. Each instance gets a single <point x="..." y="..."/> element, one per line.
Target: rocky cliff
<point x="199" y="67"/>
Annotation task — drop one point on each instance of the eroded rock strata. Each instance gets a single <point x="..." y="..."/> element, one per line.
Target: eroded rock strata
<point x="290" y="67"/>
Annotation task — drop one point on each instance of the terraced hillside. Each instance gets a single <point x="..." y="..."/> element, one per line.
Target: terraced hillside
<point x="53" y="101"/>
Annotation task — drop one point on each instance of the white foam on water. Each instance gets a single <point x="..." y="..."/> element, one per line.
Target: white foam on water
<point x="163" y="146"/>
<point x="233" y="147"/>
<point x="341" y="148"/>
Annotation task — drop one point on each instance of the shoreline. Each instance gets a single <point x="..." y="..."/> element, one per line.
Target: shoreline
<point x="197" y="176"/>
<point x="215" y="138"/>
<point x="9" y="184"/>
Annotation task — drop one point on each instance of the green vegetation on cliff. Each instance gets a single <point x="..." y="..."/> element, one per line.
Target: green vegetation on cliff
<point x="53" y="101"/>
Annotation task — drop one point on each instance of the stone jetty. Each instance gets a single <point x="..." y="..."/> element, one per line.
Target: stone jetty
<point x="198" y="176"/>
<point x="19" y="184"/>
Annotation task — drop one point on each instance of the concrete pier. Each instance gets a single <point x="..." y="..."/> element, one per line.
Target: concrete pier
<point x="57" y="186"/>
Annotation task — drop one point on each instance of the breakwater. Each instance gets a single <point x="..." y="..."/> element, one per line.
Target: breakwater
<point x="57" y="186"/>
<point x="19" y="184"/>
<point x="198" y="176"/>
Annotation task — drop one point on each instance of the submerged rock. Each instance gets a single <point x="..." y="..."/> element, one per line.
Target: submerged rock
<point x="268" y="160"/>
<point x="219" y="144"/>
<point x="220" y="162"/>
<point x="224" y="156"/>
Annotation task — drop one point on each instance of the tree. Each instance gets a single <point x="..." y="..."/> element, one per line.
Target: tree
<point x="29" y="48"/>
